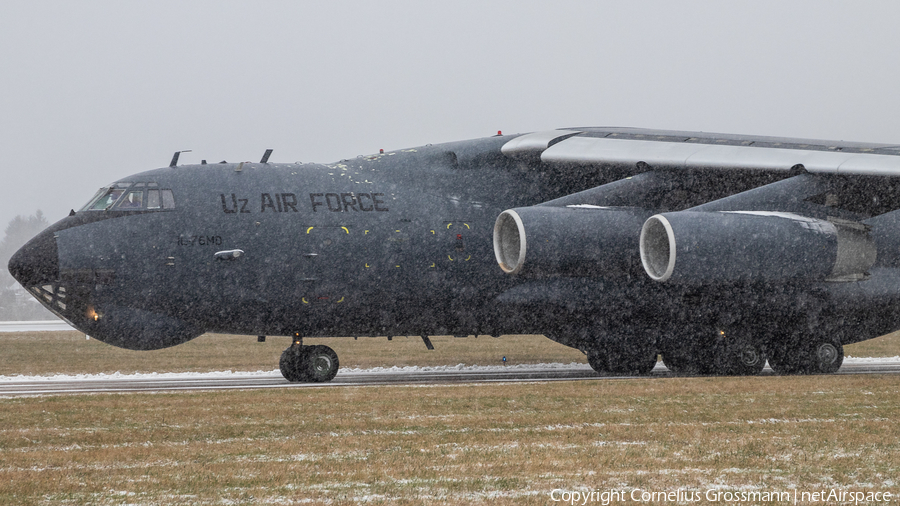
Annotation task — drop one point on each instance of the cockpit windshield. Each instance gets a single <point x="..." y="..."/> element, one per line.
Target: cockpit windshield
<point x="128" y="196"/>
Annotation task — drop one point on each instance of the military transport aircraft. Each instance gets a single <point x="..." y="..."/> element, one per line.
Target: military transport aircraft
<point x="718" y="252"/>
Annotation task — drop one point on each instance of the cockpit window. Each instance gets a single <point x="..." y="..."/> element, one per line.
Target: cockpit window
<point x="133" y="200"/>
<point x="153" y="199"/>
<point x="168" y="199"/>
<point x="106" y="199"/>
<point x="131" y="197"/>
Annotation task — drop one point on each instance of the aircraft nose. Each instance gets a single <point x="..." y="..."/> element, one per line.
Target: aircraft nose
<point x="37" y="262"/>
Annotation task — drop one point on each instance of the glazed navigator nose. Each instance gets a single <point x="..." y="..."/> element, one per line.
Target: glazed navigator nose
<point x="37" y="262"/>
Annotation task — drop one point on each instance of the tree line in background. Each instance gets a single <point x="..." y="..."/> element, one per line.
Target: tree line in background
<point x="15" y="302"/>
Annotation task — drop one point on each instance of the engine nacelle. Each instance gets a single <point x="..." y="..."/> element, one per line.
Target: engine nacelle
<point x="582" y="240"/>
<point x="703" y="247"/>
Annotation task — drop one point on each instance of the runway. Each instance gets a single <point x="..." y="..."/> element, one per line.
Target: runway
<point x="35" y="326"/>
<point x="407" y="376"/>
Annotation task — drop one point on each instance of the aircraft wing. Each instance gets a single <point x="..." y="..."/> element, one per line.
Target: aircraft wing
<point x="675" y="150"/>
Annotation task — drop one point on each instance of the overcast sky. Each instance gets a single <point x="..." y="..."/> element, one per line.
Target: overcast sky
<point x="95" y="90"/>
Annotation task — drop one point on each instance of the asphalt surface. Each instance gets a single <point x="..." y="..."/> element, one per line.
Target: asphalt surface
<point x="35" y="326"/>
<point x="232" y="382"/>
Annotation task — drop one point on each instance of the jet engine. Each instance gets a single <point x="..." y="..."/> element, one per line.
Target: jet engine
<point x="583" y="240"/>
<point x="728" y="246"/>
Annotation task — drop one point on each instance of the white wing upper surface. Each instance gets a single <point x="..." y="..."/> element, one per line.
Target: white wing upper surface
<point x="667" y="154"/>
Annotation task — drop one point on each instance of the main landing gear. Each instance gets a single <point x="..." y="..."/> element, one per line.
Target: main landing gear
<point x="312" y="364"/>
<point x="708" y="350"/>
<point x="632" y="359"/>
<point x="818" y="354"/>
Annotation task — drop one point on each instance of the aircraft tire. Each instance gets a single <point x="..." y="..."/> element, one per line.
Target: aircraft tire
<point x="633" y="363"/>
<point x="822" y="355"/>
<point x="741" y="358"/>
<point x="689" y="362"/>
<point x="599" y="361"/>
<point x="321" y="364"/>
<point x="786" y="360"/>
<point x="615" y="362"/>
<point x="679" y="363"/>
<point x="693" y="349"/>
<point x="293" y="363"/>
<point x="826" y="356"/>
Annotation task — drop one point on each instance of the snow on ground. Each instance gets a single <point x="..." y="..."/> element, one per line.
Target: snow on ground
<point x="343" y="372"/>
<point x="346" y="371"/>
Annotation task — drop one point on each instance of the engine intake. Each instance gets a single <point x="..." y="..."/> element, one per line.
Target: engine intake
<point x="753" y="246"/>
<point x="582" y="240"/>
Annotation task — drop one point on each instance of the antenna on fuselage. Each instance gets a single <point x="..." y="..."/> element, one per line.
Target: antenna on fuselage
<point x="265" y="158"/>
<point x="174" y="161"/>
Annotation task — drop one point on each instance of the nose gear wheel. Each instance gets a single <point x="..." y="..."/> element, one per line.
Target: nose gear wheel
<point x="311" y="364"/>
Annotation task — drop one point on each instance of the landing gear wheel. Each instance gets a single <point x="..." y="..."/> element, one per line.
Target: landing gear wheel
<point x="599" y="362"/>
<point x="692" y="350"/>
<point x="826" y="357"/>
<point x="321" y="364"/>
<point x="741" y="358"/>
<point x="638" y="362"/>
<point x="681" y="363"/>
<point x="785" y="360"/>
<point x="292" y="363"/>
<point x="309" y="363"/>
<point x="689" y="361"/>
<point x="816" y="356"/>
<point x="634" y="363"/>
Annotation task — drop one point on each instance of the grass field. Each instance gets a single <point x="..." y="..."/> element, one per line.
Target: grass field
<point x="510" y="443"/>
<point x="466" y="444"/>
<point x="70" y="353"/>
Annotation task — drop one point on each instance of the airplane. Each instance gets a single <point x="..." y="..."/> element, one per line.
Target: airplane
<point x="717" y="252"/>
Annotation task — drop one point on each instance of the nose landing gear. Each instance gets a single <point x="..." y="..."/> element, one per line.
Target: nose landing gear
<point x="312" y="364"/>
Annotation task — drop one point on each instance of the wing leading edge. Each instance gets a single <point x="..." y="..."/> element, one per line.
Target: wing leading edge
<point x="574" y="147"/>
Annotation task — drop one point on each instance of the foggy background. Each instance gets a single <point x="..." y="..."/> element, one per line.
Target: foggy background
<point x="93" y="91"/>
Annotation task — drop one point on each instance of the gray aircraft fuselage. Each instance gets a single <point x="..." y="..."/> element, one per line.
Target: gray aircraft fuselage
<point x="402" y="243"/>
